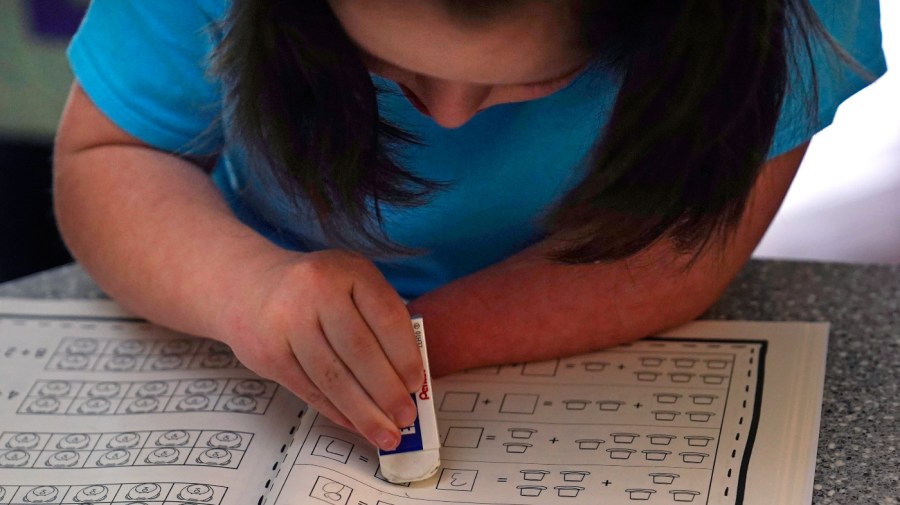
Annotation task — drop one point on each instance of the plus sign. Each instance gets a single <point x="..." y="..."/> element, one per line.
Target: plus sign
<point x="638" y="405"/>
<point x="606" y="483"/>
<point x="621" y="367"/>
<point x="554" y="440"/>
<point x="486" y="401"/>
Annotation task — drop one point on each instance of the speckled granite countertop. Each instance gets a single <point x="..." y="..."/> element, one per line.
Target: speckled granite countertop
<point x="859" y="441"/>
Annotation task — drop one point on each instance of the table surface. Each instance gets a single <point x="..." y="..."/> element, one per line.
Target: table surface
<point x="858" y="459"/>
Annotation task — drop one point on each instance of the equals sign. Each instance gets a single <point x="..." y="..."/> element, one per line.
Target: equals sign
<point x="490" y="437"/>
<point x="548" y="404"/>
<point x="364" y="459"/>
<point x="501" y="479"/>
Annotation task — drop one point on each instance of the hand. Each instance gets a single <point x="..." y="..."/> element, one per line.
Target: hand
<point x="329" y="327"/>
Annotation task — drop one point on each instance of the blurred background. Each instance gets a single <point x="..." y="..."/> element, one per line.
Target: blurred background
<point x="843" y="206"/>
<point x="34" y="80"/>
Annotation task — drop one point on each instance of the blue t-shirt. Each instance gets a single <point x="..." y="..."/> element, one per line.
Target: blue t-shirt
<point x="145" y="64"/>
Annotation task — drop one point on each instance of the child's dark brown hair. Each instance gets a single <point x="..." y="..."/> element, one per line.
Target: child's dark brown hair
<point x="702" y="86"/>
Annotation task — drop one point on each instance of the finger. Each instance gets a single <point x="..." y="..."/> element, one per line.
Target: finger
<point x="283" y="368"/>
<point x="364" y="356"/>
<point x="385" y="314"/>
<point x="297" y="382"/>
<point x="334" y="380"/>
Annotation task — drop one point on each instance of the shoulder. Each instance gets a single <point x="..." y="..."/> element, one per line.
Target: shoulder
<point x="176" y="18"/>
<point x="855" y="25"/>
<point x="145" y="64"/>
<point x="821" y="77"/>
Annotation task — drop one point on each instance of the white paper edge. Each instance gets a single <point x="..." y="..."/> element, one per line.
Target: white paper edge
<point x="66" y="307"/>
<point x="782" y="465"/>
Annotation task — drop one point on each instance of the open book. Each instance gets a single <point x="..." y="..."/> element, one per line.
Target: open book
<point x="98" y="407"/>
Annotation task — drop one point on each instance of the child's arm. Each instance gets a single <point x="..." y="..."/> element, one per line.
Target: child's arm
<point x="527" y="308"/>
<point x="154" y="232"/>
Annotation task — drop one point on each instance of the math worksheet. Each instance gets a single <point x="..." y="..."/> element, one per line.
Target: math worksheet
<point x="100" y="407"/>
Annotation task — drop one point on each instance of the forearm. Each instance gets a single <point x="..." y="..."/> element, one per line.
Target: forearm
<point x="150" y="227"/>
<point x="154" y="233"/>
<point x="529" y="308"/>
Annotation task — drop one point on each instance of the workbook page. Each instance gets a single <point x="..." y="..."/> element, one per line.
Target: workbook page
<point x="713" y="413"/>
<point x="99" y="407"/>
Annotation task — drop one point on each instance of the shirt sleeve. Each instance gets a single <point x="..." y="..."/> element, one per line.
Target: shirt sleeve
<point x="145" y="64"/>
<point x="821" y="81"/>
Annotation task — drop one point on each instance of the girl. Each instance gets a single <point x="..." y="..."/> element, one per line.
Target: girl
<point x="538" y="178"/>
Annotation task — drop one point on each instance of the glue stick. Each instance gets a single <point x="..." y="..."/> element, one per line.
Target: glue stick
<point x="417" y="457"/>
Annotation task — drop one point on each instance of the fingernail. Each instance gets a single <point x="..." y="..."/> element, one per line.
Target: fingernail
<point x="405" y="416"/>
<point x="414" y="383"/>
<point x="386" y="440"/>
